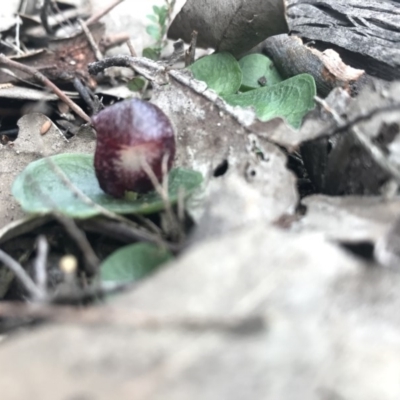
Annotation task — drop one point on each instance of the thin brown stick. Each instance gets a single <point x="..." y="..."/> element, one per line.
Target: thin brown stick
<point x="41" y="78"/>
<point x="100" y="14"/>
<point x="91" y="40"/>
<point x="132" y="50"/>
<point x="115" y="40"/>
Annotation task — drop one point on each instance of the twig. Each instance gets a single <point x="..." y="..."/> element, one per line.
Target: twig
<point x="41" y="78"/>
<point x="47" y="4"/>
<point x="190" y="53"/>
<point x="92" y="262"/>
<point x="40" y="263"/>
<point x="346" y="125"/>
<point x="162" y="190"/>
<point x="131" y="48"/>
<point x="143" y="66"/>
<point x="91" y="40"/>
<point x="22" y="276"/>
<point x="86" y="95"/>
<point x="17" y="35"/>
<point x="123" y="232"/>
<point x="100" y="14"/>
<point x="115" y="40"/>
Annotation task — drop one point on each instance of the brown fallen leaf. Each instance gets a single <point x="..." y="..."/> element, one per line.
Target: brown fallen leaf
<point x="229" y="25"/>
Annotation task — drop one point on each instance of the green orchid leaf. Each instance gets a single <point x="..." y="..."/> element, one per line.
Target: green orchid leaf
<point x="153" y="53"/>
<point x="152" y="18"/>
<point x="291" y="99"/>
<point x="154" y="31"/>
<point x="136" y="84"/>
<point x="220" y="71"/>
<point x="258" y="71"/>
<point x="133" y="262"/>
<point x="40" y="190"/>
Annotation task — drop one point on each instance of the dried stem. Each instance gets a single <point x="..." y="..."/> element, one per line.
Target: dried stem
<point x="131" y="48"/>
<point x="40" y="263"/>
<point x="162" y="190"/>
<point x="190" y="53"/>
<point x="91" y="40"/>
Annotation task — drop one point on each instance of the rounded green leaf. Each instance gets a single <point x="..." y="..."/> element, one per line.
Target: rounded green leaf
<point x="258" y="71"/>
<point x="153" y="53"/>
<point x="133" y="262"/>
<point x="291" y="99"/>
<point x="40" y="190"/>
<point x="136" y="84"/>
<point x="154" y="31"/>
<point x="220" y="71"/>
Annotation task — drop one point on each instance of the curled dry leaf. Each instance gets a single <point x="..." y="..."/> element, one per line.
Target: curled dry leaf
<point x="235" y="26"/>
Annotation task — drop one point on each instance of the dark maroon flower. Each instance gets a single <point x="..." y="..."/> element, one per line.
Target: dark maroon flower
<point x="130" y="133"/>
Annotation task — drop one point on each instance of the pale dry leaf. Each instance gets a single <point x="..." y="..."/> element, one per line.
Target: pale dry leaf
<point x="348" y="219"/>
<point x="212" y="140"/>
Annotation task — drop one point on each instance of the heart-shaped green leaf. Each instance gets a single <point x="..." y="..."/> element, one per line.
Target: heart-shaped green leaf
<point x="133" y="262"/>
<point x="258" y="71"/>
<point x="220" y="71"/>
<point x="291" y="99"/>
<point x="40" y="190"/>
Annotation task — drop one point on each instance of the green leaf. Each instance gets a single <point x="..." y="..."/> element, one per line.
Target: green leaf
<point x="153" y="53"/>
<point x="40" y="190"/>
<point x="156" y="10"/>
<point x="133" y="262"/>
<point x="136" y="84"/>
<point x="291" y="99"/>
<point x="162" y="15"/>
<point x="152" y="18"/>
<point x="258" y="71"/>
<point x="220" y="71"/>
<point x="154" y="31"/>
